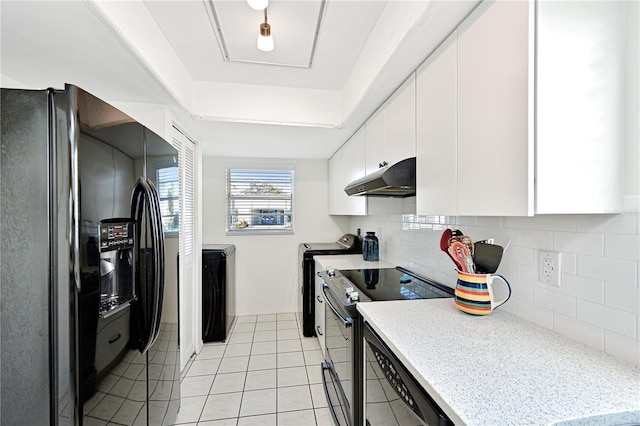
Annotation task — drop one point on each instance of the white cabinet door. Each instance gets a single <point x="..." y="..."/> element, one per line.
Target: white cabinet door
<point x="400" y="123"/>
<point x="319" y="310"/>
<point x="495" y="114"/>
<point x="391" y="131"/>
<point x="436" y="159"/>
<point x="335" y="181"/>
<point x="374" y="150"/>
<point x="347" y="165"/>
<point x="579" y="106"/>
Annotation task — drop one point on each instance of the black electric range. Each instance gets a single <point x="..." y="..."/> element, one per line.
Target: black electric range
<point x="370" y="285"/>
<point x="343" y="369"/>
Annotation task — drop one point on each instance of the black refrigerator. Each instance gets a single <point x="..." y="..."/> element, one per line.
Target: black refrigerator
<point x="83" y="338"/>
<point x="218" y="291"/>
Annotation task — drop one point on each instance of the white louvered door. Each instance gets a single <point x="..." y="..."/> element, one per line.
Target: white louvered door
<point x="190" y="309"/>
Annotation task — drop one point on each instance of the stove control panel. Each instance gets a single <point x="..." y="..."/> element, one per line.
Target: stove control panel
<point x="342" y="288"/>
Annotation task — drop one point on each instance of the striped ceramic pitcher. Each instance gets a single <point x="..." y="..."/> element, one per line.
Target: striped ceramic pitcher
<point x="474" y="293"/>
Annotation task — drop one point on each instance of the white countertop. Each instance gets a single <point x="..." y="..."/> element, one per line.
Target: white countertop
<point x="504" y="370"/>
<point x="350" y="261"/>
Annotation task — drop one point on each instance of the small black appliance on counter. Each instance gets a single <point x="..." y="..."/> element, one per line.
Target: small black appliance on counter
<point x="347" y="244"/>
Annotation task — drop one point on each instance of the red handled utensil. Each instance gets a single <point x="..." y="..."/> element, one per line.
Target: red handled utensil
<point x="444" y="243"/>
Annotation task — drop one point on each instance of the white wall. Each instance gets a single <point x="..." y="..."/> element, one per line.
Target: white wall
<point x="267" y="265"/>
<point x="598" y="302"/>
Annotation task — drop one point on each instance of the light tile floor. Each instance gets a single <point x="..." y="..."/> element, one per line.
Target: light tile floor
<point x="266" y="373"/>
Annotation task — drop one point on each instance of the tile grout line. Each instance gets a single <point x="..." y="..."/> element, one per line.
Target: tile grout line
<point x="299" y="339"/>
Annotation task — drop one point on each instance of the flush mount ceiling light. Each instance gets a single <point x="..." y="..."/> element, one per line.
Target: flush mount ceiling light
<point x="265" y="39"/>
<point x="258" y="4"/>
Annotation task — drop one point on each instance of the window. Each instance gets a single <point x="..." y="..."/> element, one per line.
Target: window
<point x="168" y="179"/>
<point x="259" y="201"/>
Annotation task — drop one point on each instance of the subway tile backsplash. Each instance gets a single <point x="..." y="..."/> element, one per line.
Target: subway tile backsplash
<point x="598" y="301"/>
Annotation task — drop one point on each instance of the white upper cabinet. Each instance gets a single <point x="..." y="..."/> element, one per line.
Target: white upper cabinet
<point x="436" y="160"/>
<point x="503" y="101"/>
<point x="347" y="165"/>
<point x="580" y="106"/>
<point x="400" y="123"/>
<point x="495" y="147"/>
<point x="388" y="136"/>
<point x="375" y="152"/>
<point x="391" y="131"/>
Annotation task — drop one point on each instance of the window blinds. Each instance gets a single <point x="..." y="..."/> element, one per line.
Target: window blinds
<point x="169" y="193"/>
<point x="259" y="200"/>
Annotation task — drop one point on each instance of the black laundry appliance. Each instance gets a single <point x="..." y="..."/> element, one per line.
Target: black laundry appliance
<point x="347" y="244"/>
<point x="343" y="370"/>
<point x="218" y="291"/>
<point x="84" y="339"/>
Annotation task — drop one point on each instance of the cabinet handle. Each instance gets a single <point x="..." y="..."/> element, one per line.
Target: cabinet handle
<point x="319" y="299"/>
<point x="318" y="330"/>
<point x="115" y="338"/>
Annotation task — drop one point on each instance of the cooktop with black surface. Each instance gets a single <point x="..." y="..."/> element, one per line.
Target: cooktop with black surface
<point x="395" y="284"/>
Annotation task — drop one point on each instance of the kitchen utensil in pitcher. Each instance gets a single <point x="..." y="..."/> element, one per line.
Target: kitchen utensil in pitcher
<point x="464" y="239"/>
<point x="487" y="257"/>
<point x="444" y="243"/>
<point x="474" y="293"/>
<point x="461" y="256"/>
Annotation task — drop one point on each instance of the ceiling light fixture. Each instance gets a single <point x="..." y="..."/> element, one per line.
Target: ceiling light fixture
<point x="265" y="39"/>
<point x="258" y="4"/>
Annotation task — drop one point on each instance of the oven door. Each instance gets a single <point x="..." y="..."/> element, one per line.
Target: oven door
<point x="337" y="370"/>
<point x="391" y="395"/>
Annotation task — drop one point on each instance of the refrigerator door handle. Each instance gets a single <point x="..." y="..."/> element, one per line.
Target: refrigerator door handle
<point x="74" y="196"/>
<point x="145" y="202"/>
<point x="158" y="259"/>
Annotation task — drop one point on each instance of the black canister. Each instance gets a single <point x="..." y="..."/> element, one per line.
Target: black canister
<point x="370" y="247"/>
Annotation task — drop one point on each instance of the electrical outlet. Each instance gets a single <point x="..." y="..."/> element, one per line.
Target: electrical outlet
<point x="549" y="267"/>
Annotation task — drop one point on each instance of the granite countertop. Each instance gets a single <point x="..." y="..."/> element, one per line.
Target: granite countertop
<point x="504" y="370"/>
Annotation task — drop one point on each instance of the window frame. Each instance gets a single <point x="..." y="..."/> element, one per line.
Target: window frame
<point x="177" y="199"/>
<point x="256" y="230"/>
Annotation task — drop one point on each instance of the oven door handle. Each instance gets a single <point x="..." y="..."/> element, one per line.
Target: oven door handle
<point x="325" y="366"/>
<point x="348" y="322"/>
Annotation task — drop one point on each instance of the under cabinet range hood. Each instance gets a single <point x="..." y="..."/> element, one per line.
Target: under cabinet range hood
<point x="397" y="180"/>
